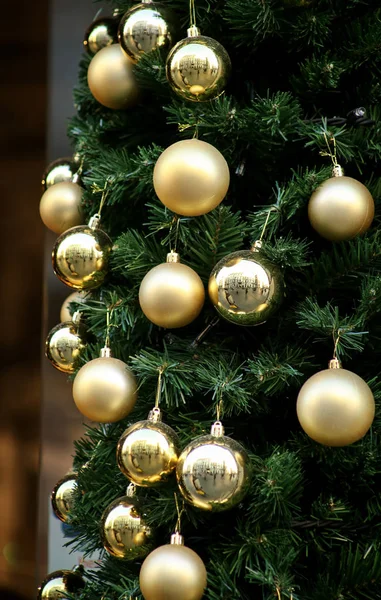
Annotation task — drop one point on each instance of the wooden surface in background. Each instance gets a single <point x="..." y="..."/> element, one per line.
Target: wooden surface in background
<point x="23" y="72"/>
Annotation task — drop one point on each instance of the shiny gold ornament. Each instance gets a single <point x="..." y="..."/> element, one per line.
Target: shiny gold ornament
<point x="60" y="206"/>
<point x="101" y="33"/>
<point x="171" y="295"/>
<point x="111" y="78"/>
<point x="335" y="407"/>
<point x="64" y="345"/>
<point x="341" y="208"/>
<point x="214" y="471"/>
<point x="146" y="27"/>
<point x="147" y="452"/>
<point x="173" y="572"/>
<point x="62" y="496"/>
<point x="246" y="288"/>
<point x="191" y="177"/>
<point x="198" y="67"/>
<point x="81" y="255"/>
<point x="59" y="584"/>
<point x="79" y="297"/>
<point x="104" y="389"/>
<point x="124" y="533"/>
<point x="61" y="170"/>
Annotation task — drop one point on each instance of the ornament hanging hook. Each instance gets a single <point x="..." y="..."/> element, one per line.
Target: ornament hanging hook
<point x="79" y="171"/>
<point x="265" y="225"/>
<point x="158" y="388"/>
<point x="105" y="192"/>
<point x="337" y="169"/>
<point x="175" y="220"/>
<point x="179" y="514"/>
<point x="192" y="14"/>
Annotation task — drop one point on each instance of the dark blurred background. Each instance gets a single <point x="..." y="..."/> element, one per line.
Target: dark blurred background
<point x="40" y="45"/>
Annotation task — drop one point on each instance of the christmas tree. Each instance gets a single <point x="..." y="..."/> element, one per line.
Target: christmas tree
<point x="256" y="182"/>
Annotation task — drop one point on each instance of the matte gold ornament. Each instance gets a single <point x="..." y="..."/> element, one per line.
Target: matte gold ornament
<point x="191" y="177"/>
<point x="101" y="33"/>
<point x="60" y="584"/>
<point x="59" y="171"/>
<point x="173" y="572"/>
<point x="104" y="389"/>
<point x="146" y="27"/>
<point x="124" y="533"/>
<point x="148" y="451"/>
<point x="62" y="496"/>
<point x="246" y="288"/>
<point x="341" y="208"/>
<point x="60" y="206"/>
<point x="64" y="345"/>
<point x="335" y="407"/>
<point x="81" y="256"/>
<point x="171" y="295"/>
<point x="111" y="78"/>
<point x="214" y="471"/>
<point x="79" y="297"/>
<point x="198" y="67"/>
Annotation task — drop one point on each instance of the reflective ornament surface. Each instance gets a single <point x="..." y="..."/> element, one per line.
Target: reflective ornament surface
<point x="101" y="33"/>
<point x="105" y="390"/>
<point x="79" y="296"/>
<point x="198" y="67"/>
<point x="191" y="177"/>
<point x="335" y="407"/>
<point x="60" y="206"/>
<point x="171" y="295"/>
<point x="245" y="288"/>
<point x="214" y="471"/>
<point x="60" y="170"/>
<point x="148" y="451"/>
<point x="59" y="584"/>
<point x="64" y="345"/>
<point x="80" y="256"/>
<point x="173" y="572"/>
<point x="111" y="78"/>
<point x="146" y="27"/>
<point x="341" y="208"/>
<point x="124" y="533"/>
<point x="62" y="496"/>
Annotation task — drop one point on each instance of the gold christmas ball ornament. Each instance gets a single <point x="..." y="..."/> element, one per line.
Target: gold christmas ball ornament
<point x="111" y="78"/>
<point x="62" y="496"/>
<point x="214" y="471"/>
<point x="245" y="288"/>
<point x="173" y="572"/>
<point x="104" y="389"/>
<point x="341" y="208"/>
<point x="79" y="297"/>
<point x="198" y="67"/>
<point x="123" y="531"/>
<point x="335" y="407"/>
<point x="64" y="345"/>
<point x="59" y="171"/>
<point x="101" y="33"/>
<point x="60" y="584"/>
<point x="148" y="451"/>
<point x="146" y="27"/>
<point x="81" y="256"/>
<point x="171" y="295"/>
<point x="60" y="206"/>
<point x="191" y="177"/>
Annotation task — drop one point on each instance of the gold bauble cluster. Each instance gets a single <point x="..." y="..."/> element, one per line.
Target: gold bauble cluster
<point x="335" y="407"/>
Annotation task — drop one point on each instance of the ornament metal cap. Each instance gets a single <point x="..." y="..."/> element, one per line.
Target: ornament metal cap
<point x="256" y="246"/>
<point x="173" y="257"/>
<point x="131" y="490"/>
<point x="334" y="364"/>
<point x="154" y="415"/>
<point x="177" y="539"/>
<point x="337" y="171"/>
<point x="106" y="352"/>
<point x="217" y="429"/>
<point x="76" y="318"/>
<point x="193" y="31"/>
<point x="95" y="222"/>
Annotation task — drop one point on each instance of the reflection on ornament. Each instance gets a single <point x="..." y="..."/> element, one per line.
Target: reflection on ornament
<point x="62" y="496"/>
<point x="101" y="33"/>
<point x="147" y="452"/>
<point x="213" y="471"/>
<point x="246" y="288"/>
